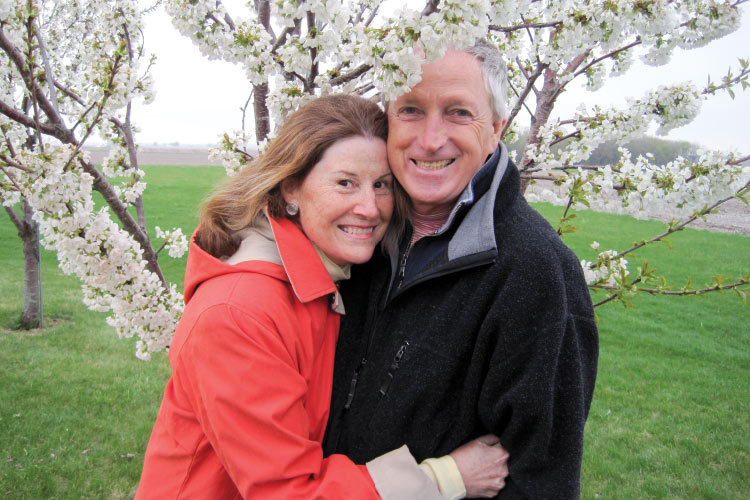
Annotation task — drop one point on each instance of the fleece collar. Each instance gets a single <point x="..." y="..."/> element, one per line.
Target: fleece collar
<point x="476" y="232"/>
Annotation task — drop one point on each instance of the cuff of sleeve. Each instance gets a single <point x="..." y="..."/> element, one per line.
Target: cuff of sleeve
<point x="446" y="475"/>
<point x="398" y="477"/>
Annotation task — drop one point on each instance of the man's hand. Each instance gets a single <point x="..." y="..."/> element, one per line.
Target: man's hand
<point x="483" y="464"/>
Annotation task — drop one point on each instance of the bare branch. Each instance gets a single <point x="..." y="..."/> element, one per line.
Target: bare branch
<point x="70" y="93"/>
<point x="13" y="216"/>
<point x="728" y="83"/>
<point x="17" y="57"/>
<point x="355" y="73"/>
<point x="524" y="26"/>
<point x="608" y="55"/>
<point x="12" y="163"/>
<point x="571" y="135"/>
<point x="310" y="81"/>
<point x="521" y="101"/>
<point x="372" y="16"/>
<point x="27" y="121"/>
<point x="430" y="7"/>
<point x="683" y="224"/>
<point x="47" y="68"/>
<point x="244" y="110"/>
<point x="658" y="291"/>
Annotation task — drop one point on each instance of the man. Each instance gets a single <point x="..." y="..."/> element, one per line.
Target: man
<point x="481" y="321"/>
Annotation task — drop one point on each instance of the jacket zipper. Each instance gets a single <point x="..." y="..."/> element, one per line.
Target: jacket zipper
<point x="394" y="365"/>
<point x="393" y="368"/>
<point x="353" y="384"/>
<point x="402" y="268"/>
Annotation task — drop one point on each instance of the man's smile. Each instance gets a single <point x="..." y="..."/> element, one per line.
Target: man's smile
<point x="433" y="165"/>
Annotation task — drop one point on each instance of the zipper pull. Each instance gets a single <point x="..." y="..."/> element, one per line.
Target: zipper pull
<point x="353" y="385"/>
<point x="393" y="368"/>
<point x="402" y="268"/>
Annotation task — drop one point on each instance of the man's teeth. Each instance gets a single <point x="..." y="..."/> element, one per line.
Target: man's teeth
<point x="357" y="230"/>
<point x="432" y="165"/>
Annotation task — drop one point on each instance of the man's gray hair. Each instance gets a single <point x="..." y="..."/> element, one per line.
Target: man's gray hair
<point x="495" y="75"/>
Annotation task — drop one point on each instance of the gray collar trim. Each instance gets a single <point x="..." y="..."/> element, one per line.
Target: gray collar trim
<point x="476" y="233"/>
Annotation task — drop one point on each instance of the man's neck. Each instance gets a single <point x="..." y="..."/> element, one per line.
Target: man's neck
<point x="428" y="223"/>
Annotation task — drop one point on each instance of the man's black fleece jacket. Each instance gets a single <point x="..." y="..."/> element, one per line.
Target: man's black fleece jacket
<point x="490" y="329"/>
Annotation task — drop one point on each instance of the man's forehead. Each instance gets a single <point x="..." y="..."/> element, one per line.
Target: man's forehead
<point x="443" y="95"/>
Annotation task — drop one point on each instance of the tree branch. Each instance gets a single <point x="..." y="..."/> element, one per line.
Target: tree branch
<point x="524" y="26"/>
<point x="658" y="291"/>
<point x="13" y="217"/>
<point x="682" y="225"/>
<point x="17" y="57"/>
<point x="102" y="185"/>
<point x="610" y="54"/>
<point x="521" y="101"/>
<point x="27" y="121"/>
<point x="355" y="73"/>
<point x="430" y="7"/>
<point x="12" y="163"/>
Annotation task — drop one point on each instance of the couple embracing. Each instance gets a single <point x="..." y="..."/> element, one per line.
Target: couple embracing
<point x="374" y="311"/>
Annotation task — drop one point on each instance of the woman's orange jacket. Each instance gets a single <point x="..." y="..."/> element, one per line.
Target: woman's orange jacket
<point x="244" y="413"/>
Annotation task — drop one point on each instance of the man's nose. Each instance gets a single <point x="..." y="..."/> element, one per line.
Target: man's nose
<point x="366" y="205"/>
<point x="433" y="135"/>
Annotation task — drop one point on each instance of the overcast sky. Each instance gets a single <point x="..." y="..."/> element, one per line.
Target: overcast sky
<point x="197" y="99"/>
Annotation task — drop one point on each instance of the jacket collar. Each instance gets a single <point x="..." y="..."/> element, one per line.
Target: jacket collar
<point x="476" y="231"/>
<point x="307" y="274"/>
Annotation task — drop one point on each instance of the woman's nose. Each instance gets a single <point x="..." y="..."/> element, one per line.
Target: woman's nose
<point x="366" y="204"/>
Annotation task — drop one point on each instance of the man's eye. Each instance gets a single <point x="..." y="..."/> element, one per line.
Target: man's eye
<point x="409" y="110"/>
<point x="462" y="112"/>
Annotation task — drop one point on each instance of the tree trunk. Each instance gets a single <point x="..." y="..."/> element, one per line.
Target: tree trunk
<point x="545" y="103"/>
<point x="31" y="314"/>
<point x="262" y="120"/>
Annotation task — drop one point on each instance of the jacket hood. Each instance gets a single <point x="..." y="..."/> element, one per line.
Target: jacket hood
<point x="300" y="264"/>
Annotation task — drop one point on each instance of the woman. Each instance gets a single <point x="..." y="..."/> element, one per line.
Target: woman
<point x="245" y="410"/>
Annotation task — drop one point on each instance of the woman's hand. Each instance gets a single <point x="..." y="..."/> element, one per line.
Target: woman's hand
<point x="483" y="464"/>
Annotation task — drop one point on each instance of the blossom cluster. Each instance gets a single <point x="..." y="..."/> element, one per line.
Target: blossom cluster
<point x="609" y="269"/>
<point x="175" y="241"/>
<point x="90" y="245"/>
<point x="87" y="69"/>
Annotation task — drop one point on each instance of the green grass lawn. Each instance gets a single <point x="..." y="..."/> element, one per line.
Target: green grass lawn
<point x="669" y="418"/>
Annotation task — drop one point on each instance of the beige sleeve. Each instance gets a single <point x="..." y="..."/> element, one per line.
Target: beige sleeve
<point x="398" y="477"/>
<point x="444" y="472"/>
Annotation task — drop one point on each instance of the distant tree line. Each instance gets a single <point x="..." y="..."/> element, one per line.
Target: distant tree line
<point x="663" y="150"/>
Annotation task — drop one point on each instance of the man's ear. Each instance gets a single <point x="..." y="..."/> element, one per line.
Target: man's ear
<point x="497" y="128"/>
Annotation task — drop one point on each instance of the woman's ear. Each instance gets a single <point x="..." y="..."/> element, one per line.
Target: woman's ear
<point x="289" y="189"/>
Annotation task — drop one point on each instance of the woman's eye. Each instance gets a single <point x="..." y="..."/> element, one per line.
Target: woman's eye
<point x="382" y="185"/>
<point x="345" y="183"/>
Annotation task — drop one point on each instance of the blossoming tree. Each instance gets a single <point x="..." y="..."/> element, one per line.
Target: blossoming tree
<point x="292" y="51"/>
<point x="69" y="71"/>
<point x="71" y="68"/>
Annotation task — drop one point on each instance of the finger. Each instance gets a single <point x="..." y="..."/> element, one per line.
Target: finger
<point x="503" y="452"/>
<point x="489" y="439"/>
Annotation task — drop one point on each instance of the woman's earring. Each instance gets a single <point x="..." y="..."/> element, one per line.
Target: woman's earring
<point x="292" y="208"/>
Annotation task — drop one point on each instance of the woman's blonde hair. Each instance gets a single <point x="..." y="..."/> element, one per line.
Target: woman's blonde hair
<point x="300" y="144"/>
